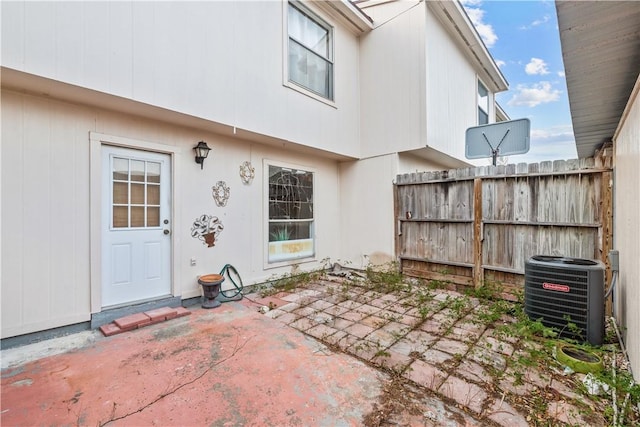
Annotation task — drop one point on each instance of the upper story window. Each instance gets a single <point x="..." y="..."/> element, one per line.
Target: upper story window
<point x="483" y="104"/>
<point x="310" y="51"/>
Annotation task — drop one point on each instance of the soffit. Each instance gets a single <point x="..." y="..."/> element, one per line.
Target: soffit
<point x="601" y="51"/>
<point x="439" y="157"/>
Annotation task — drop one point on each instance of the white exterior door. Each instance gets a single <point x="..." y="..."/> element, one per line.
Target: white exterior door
<point x="136" y="225"/>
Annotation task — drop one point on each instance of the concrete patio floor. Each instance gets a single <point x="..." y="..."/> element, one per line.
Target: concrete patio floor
<point x="327" y="354"/>
<point x="229" y="366"/>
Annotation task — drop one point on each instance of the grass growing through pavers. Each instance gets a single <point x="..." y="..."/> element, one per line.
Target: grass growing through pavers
<point x="508" y="356"/>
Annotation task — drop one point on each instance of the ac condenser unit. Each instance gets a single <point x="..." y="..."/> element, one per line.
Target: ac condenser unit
<point x="560" y="290"/>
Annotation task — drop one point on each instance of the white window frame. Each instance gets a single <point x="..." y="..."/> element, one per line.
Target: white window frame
<point x="485" y="108"/>
<point x="323" y="22"/>
<point x="307" y="255"/>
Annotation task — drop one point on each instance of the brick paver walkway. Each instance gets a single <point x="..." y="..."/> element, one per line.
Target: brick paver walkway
<point x="440" y="343"/>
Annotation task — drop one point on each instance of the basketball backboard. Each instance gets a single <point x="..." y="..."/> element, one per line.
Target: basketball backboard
<point x="498" y="139"/>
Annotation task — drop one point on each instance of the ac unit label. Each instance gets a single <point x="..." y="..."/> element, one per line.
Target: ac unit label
<point x="556" y="287"/>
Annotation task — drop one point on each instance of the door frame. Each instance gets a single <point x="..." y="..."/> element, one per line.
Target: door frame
<point x="96" y="141"/>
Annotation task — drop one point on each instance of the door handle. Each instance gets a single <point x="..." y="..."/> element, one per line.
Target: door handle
<point x="165" y="231"/>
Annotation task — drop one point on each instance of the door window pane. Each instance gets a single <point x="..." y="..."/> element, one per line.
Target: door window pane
<point x="120" y="169"/>
<point x="137" y="216"/>
<point x="153" y="194"/>
<point x="120" y="216"/>
<point x="153" y="216"/>
<point x="135" y="193"/>
<point x="153" y="172"/>
<point x="120" y="193"/>
<point x="137" y="170"/>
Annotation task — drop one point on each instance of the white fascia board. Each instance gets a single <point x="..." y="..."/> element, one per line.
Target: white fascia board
<point x="452" y="13"/>
<point x="348" y="13"/>
<point x="501" y="115"/>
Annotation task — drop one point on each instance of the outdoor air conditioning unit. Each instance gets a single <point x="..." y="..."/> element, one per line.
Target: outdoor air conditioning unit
<point x="560" y="290"/>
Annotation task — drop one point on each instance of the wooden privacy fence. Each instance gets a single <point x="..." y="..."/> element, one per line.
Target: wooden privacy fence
<point x="472" y="226"/>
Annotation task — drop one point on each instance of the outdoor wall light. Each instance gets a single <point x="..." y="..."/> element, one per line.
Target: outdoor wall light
<point x="202" y="151"/>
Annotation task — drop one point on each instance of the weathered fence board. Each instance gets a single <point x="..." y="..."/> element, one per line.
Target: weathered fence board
<point x="469" y="226"/>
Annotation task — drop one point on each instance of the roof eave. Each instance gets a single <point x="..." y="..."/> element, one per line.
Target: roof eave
<point x="453" y="13"/>
<point x="348" y="13"/>
<point x="437" y="156"/>
<point x="601" y="52"/>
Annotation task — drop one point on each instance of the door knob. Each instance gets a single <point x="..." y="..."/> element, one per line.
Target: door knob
<point x="166" y="231"/>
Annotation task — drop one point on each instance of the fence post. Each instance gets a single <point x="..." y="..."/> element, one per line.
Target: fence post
<point x="606" y="222"/>
<point x="478" y="273"/>
<point x="397" y="230"/>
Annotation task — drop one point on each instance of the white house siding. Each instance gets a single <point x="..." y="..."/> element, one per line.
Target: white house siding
<point x="419" y="88"/>
<point x="46" y="228"/>
<point x="451" y="91"/>
<point x="45" y="214"/>
<point x="366" y="194"/>
<point x="392" y="78"/>
<point x="219" y="60"/>
<point x="627" y="228"/>
<point x="367" y="210"/>
<point x="165" y="75"/>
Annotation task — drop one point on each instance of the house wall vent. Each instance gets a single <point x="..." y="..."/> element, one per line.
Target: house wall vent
<point x="559" y="290"/>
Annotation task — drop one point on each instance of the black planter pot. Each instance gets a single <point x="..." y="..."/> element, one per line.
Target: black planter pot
<point x="211" y="288"/>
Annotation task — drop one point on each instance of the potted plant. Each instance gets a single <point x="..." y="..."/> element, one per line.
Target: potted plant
<point x="210" y="288"/>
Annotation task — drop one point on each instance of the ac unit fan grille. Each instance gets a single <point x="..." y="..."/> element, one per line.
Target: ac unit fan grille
<point x="557" y="308"/>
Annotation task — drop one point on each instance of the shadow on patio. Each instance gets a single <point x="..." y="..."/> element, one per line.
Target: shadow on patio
<point x="328" y="351"/>
<point x="473" y="350"/>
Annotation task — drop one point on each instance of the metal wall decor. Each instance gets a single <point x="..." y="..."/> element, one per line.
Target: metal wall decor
<point x="221" y="193"/>
<point x="247" y="172"/>
<point x="207" y="228"/>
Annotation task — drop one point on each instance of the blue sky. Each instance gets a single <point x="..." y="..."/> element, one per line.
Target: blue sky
<point x="523" y="38"/>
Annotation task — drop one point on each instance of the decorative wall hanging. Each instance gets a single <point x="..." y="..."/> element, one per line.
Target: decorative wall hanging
<point x="207" y="228"/>
<point x="221" y="193"/>
<point x="247" y="172"/>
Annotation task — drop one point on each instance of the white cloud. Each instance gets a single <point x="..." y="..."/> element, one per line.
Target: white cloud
<point x="553" y="135"/>
<point x="476" y="15"/>
<point x="500" y="63"/>
<point x="471" y="2"/>
<point x="561" y="74"/>
<point x="536" y="23"/>
<point x="536" y="66"/>
<point x="555" y="143"/>
<point x="536" y="94"/>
